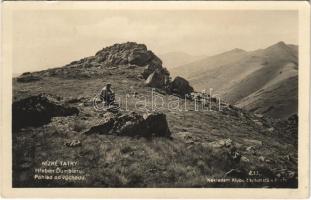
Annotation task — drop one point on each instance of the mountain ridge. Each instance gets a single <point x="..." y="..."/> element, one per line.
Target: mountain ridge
<point x="176" y="58"/>
<point x="236" y="74"/>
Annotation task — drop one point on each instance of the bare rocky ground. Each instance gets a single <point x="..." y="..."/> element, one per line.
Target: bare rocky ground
<point x="199" y="145"/>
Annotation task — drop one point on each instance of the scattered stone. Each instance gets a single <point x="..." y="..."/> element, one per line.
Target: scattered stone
<point x="270" y="129"/>
<point x="251" y="149"/>
<point x="258" y="122"/>
<point x="221" y="143"/>
<point x="253" y="142"/>
<point x="88" y="103"/>
<point x="235" y="155"/>
<point x="258" y="115"/>
<point x="131" y="67"/>
<point x="244" y="159"/>
<point x="261" y="158"/>
<point x="188" y="138"/>
<point x="73" y="143"/>
<point x="228" y="142"/>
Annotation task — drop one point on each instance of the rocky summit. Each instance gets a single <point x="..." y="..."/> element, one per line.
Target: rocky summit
<point x="132" y="58"/>
<point x="159" y="133"/>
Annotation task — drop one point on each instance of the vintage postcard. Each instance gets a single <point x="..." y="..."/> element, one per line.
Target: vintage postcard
<point x="155" y="99"/>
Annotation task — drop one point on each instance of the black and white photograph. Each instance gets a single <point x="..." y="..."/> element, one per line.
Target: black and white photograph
<point x="155" y="98"/>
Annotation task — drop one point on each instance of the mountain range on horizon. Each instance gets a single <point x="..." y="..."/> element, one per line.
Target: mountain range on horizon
<point x="264" y="81"/>
<point x="178" y="58"/>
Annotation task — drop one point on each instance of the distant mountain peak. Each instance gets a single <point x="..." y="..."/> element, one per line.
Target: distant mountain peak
<point x="238" y="50"/>
<point x="232" y="52"/>
<point x="283" y="50"/>
<point x="280" y="44"/>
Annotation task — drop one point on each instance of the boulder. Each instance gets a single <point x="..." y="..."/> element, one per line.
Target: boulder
<point x="130" y="125"/>
<point x="149" y="69"/>
<point x="156" y="123"/>
<point x="155" y="79"/>
<point x="105" y="127"/>
<point x="133" y="124"/>
<point x="38" y="110"/>
<point x="139" y="57"/>
<point x="181" y="86"/>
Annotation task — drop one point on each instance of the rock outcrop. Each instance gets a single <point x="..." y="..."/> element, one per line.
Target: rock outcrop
<point x="38" y="110"/>
<point x="133" y="124"/>
<point x="134" y="54"/>
<point x="130" y="57"/>
<point x="157" y="79"/>
<point x="127" y="53"/>
<point x="181" y="86"/>
<point x="27" y="77"/>
<point x="126" y="56"/>
<point x="156" y="124"/>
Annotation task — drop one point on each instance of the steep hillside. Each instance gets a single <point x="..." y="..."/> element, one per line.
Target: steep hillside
<point x="244" y="78"/>
<point x="176" y="59"/>
<point x="138" y="143"/>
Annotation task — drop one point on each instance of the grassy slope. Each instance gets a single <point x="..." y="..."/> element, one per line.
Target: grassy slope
<point x="277" y="100"/>
<point x="239" y="76"/>
<point x="113" y="161"/>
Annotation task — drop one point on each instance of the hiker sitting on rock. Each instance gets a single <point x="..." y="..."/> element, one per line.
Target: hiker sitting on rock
<point x="107" y="95"/>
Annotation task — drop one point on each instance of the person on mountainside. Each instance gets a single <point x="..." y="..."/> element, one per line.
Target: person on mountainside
<point x="107" y="95"/>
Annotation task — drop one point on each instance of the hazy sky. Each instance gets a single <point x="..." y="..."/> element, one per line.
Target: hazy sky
<point x="44" y="39"/>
